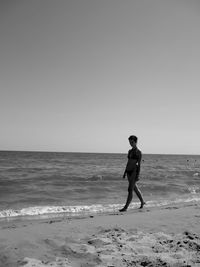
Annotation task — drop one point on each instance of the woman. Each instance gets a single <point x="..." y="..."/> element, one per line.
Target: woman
<point x="132" y="172"/>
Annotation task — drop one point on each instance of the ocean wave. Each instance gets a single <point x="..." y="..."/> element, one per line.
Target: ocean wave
<point x="41" y="210"/>
<point x="105" y="177"/>
<point x="95" y="178"/>
<point x="87" y="209"/>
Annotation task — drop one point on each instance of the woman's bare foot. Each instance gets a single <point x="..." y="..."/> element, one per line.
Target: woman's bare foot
<point x="142" y="205"/>
<point x="123" y="210"/>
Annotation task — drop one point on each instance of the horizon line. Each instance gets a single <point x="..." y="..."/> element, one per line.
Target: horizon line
<point x="89" y="152"/>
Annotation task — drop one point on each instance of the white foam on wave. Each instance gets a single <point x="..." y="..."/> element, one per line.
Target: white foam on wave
<point x="41" y="210"/>
<point x="87" y="209"/>
<point x="194" y="189"/>
<point x="171" y="202"/>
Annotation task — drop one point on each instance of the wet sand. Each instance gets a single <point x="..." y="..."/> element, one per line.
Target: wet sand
<point x="163" y="236"/>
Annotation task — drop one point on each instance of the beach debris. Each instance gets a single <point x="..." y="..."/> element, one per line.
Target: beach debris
<point x="59" y="262"/>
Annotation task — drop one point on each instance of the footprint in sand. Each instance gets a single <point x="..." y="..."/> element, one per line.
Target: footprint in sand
<point x="96" y="242"/>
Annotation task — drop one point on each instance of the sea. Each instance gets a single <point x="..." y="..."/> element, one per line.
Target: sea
<point x="46" y="184"/>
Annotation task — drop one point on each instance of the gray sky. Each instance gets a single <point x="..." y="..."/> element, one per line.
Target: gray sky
<point x="83" y="75"/>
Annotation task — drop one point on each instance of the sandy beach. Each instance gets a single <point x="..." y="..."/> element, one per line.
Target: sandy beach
<point x="164" y="236"/>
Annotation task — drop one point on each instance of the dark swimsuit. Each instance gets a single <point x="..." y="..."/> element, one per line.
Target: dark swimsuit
<point x="136" y="155"/>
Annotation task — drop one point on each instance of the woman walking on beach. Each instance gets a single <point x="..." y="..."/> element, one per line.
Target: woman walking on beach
<point x="132" y="172"/>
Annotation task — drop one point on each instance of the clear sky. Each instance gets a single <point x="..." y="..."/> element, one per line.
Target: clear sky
<point x="83" y="75"/>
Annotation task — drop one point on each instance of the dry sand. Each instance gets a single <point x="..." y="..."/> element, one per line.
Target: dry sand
<point x="164" y="236"/>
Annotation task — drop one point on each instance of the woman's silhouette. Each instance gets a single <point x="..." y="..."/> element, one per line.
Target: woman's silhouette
<point x="132" y="172"/>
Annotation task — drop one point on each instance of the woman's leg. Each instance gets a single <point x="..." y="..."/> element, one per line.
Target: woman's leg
<point x="130" y="193"/>
<point x="139" y="195"/>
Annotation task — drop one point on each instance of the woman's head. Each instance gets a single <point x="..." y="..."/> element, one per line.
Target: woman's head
<point x="133" y="140"/>
<point x="133" y="137"/>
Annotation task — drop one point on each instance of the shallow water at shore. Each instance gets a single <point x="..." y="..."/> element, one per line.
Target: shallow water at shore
<point x="38" y="183"/>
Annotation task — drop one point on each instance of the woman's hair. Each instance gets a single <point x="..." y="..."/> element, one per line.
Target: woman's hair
<point x="134" y="138"/>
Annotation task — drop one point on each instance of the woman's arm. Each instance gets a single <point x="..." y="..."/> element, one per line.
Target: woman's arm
<point x="124" y="175"/>
<point x="125" y="172"/>
<point x="138" y="165"/>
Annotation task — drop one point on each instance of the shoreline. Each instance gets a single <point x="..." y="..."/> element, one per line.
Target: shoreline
<point x="76" y="211"/>
<point x="162" y="236"/>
